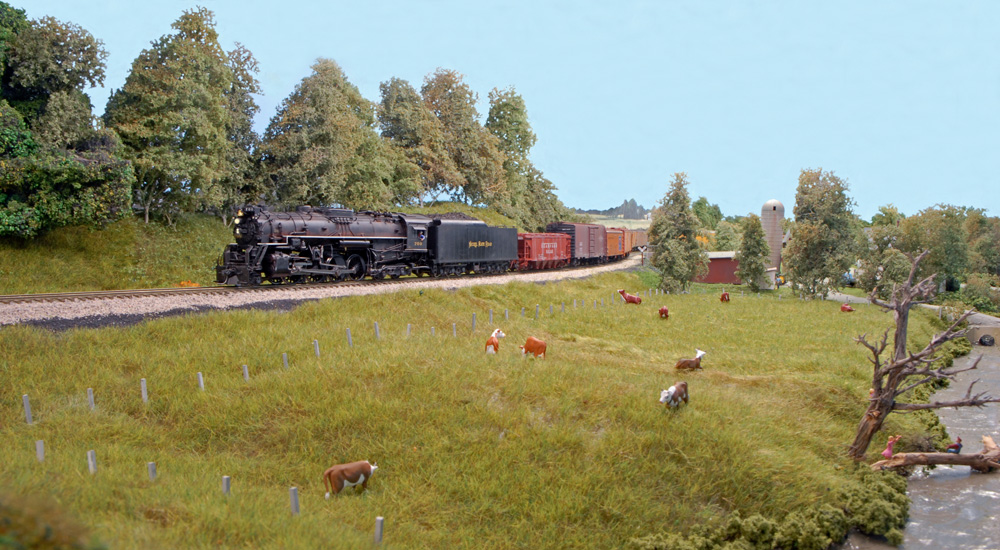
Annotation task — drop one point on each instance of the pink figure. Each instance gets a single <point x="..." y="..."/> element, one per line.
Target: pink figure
<point x="888" y="448"/>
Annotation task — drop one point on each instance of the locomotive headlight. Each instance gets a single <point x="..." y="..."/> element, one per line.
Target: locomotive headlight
<point x="236" y="221"/>
<point x="237" y="231"/>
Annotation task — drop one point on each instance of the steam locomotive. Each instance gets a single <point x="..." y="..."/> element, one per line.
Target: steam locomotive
<point x="334" y="244"/>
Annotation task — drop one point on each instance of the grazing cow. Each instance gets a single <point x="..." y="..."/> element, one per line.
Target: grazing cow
<point x="673" y="396"/>
<point x="629" y="298"/>
<point x="493" y="344"/>
<point x="725" y="297"/>
<point x="337" y="477"/>
<point x="955" y="447"/>
<point x="888" y="448"/>
<point x="846" y="308"/>
<point x="664" y="313"/>
<point x="690" y="364"/>
<point x="534" y="346"/>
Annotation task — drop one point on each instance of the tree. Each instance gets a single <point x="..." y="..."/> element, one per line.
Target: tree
<point x="708" y="214"/>
<point x="823" y="239"/>
<point x="175" y="118"/>
<point x="728" y="235"/>
<point x="984" y="241"/>
<point x="940" y="229"/>
<point x="474" y="150"/>
<point x="321" y="147"/>
<point x="904" y="370"/>
<point x="411" y="128"/>
<point x="672" y="238"/>
<point x="242" y="184"/>
<point x="55" y="167"/>
<point x="753" y="253"/>
<point x="887" y="215"/>
<point x="881" y="265"/>
<point x="529" y="198"/>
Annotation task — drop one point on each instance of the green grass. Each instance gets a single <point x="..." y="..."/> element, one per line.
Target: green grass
<point x="475" y="451"/>
<point x="127" y="254"/>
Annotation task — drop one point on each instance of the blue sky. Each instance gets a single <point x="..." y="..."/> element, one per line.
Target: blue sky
<point x="901" y="99"/>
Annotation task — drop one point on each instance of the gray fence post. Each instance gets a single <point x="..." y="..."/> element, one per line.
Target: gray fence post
<point x="473" y="322"/>
<point x="522" y="312"/>
<point x="536" y="311"/>
<point x="40" y="450"/>
<point x="491" y="316"/>
<point x="145" y="395"/>
<point x="505" y="315"/>
<point x="92" y="461"/>
<point x="408" y="330"/>
<point x="550" y="309"/>
<point x="201" y="382"/>
<point x="225" y="485"/>
<point x="293" y="494"/>
<point x="151" y="466"/>
<point x="432" y="331"/>
<point x="316" y="347"/>
<point x="90" y="397"/>
<point x="454" y="330"/>
<point x="350" y="342"/>
<point x="284" y="360"/>
<point x="27" y="408"/>
<point x="564" y="307"/>
<point x="379" y="522"/>
<point x="246" y="373"/>
<point x="377" y="335"/>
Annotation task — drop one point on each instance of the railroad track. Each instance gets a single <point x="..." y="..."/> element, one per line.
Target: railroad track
<point x="221" y="290"/>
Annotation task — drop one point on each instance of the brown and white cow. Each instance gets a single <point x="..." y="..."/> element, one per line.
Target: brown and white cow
<point x="690" y="364"/>
<point x="673" y="396"/>
<point x="493" y="343"/>
<point x="340" y="476"/>
<point x="629" y="298"/>
<point x="533" y="346"/>
<point x="724" y="297"/>
<point x="846" y="308"/>
<point x="664" y="313"/>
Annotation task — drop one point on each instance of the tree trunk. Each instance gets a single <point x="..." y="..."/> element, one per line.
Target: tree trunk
<point x="983" y="461"/>
<point x="870" y="424"/>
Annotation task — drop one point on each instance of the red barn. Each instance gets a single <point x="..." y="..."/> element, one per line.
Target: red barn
<point x="721" y="269"/>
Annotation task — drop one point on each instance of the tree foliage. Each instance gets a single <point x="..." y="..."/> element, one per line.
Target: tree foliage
<point x="55" y="167"/>
<point x="728" y="236"/>
<point x="322" y="148"/>
<point x="174" y="118"/>
<point x="411" y="128"/>
<point x="823" y="239"/>
<point x="708" y="215"/>
<point x="753" y="253"/>
<point x="672" y="233"/>
<point x="941" y="230"/>
<point x="474" y="150"/>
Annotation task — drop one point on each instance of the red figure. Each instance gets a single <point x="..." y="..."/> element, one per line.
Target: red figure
<point x="664" y="313"/>
<point x="846" y="308"/>
<point x="888" y="448"/>
<point x="725" y="297"/>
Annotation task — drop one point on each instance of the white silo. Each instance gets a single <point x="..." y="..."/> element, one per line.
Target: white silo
<point x="771" y="216"/>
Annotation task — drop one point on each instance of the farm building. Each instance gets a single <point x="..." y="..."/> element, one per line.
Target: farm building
<point x="721" y="269"/>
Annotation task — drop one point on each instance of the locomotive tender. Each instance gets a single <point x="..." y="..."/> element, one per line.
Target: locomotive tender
<point x="327" y="244"/>
<point x="333" y="244"/>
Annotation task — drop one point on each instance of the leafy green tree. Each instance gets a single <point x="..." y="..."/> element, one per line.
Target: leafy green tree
<point x="822" y="247"/>
<point x="984" y="242"/>
<point x="242" y="184"/>
<point x="941" y="230"/>
<point x="322" y="148"/>
<point x="887" y="215"/>
<point x="529" y="197"/>
<point x="174" y="118"/>
<point x="410" y="126"/>
<point x="708" y="214"/>
<point x="881" y="264"/>
<point x="728" y="235"/>
<point x="475" y="151"/>
<point x="672" y="233"/>
<point x="55" y="167"/>
<point x="753" y="253"/>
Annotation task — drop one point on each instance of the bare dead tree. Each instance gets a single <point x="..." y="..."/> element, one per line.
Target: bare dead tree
<point x="905" y="370"/>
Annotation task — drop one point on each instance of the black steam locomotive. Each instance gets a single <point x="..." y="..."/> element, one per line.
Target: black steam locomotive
<point x="330" y="244"/>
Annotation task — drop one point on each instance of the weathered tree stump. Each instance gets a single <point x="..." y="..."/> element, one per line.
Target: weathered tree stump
<point x="984" y="461"/>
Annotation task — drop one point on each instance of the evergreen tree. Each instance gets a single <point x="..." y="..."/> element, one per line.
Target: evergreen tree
<point x="175" y="118"/>
<point x="823" y="239"/>
<point x="753" y="253"/>
<point x="672" y="233"/>
<point x="242" y="184"/>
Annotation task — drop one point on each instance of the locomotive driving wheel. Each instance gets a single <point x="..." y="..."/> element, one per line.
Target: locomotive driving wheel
<point x="356" y="267"/>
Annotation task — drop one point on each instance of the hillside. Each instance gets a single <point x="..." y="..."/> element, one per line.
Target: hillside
<point x="475" y="451"/>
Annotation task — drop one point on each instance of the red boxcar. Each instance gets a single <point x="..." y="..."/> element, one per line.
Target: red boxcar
<point x="616" y="244"/>
<point x="588" y="242"/>
<point x="542" y="250"/>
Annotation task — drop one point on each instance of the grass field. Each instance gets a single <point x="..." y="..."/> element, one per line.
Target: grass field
<point x="474" y="451"/>
<point x="619" y="222"/>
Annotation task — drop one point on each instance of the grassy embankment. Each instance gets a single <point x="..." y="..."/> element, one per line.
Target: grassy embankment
<point x="475" y="451"/>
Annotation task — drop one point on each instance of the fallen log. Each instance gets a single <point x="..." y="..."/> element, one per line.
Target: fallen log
<point x="984" y="461"/>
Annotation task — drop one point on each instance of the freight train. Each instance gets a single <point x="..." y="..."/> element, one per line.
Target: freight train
<point x="335" y="244"/>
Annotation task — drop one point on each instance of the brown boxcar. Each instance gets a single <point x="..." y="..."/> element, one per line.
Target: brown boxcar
<point x="588" y="242"/>
<point x="542" y="250"/>
<point x="641" y="239"/>
<point x="616" y="244"/>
